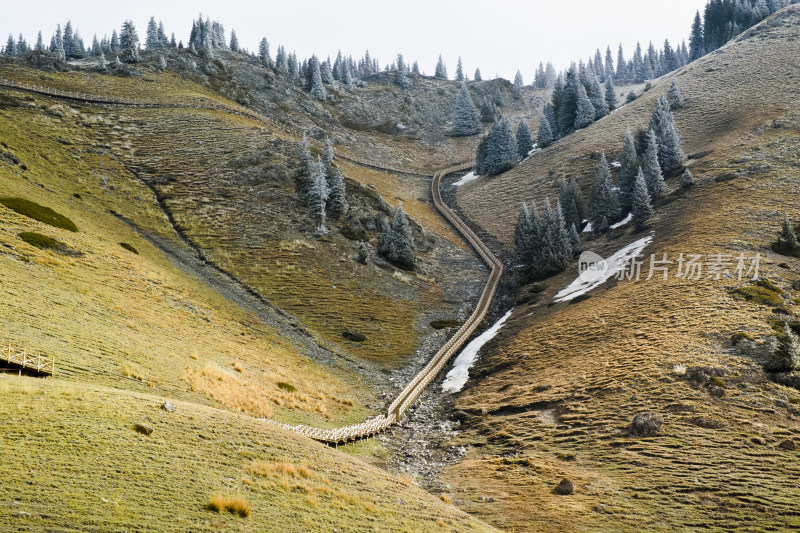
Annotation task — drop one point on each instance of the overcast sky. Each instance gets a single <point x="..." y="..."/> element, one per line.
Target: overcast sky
<point x="499" y="36"/>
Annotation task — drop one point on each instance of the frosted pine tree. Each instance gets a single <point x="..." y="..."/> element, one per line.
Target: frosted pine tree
<point x="524" y="140"/>
<point x="501" y="148"/>
<point x="598" y="98"/>
<point x="686" y="179"/>
<point x="400" y="78"/>
<point x="611" y="95"/>
<point x="477" y="76"/>
<point x="696" y="39"/>
<point x="317" y="88"/>
<point x="403" y="249"/>
<point x="787" y="239"/>
<point x="303" y="180"/>
<point x="129" y="42"/>
<point x="629" y="165"/>
<point x="317" y="195"/>
<point x="152" y="41"/>
<point x="59" y="44"/>
<point x="337" y="200"/>
<point x="263" y="53"/>
<point x="115" y="46"/>
<point x="441" y="69"/>
<point x="545" y="136"/>
<point x="569" y="206"/>
<point x="415" y="69"/>
<point x="786" y="357"/>
<point x="565" y="104"/>
<point x="604" y="201"/>
<point x="234" y="46"/>
<point x="518" y="83"/>
<point x="574" y="241"/>
<point x="162" y="63"/>
<point x="674" y="95"/>
<point x="652" y="169"/>
<point x="523" y="235"/>
<point x="585" y="111"/>
<point x="641" y="209"/>
<point x="117" y="63"/>
<point x="670" y="153"/>
<point x="39" y="44"/>
<point x="459" y="70"/>
<point x="466" y="120"/>
<point x="348" y="79"/>
<point x="11" y="46"/>
<point x="327" y="153"/>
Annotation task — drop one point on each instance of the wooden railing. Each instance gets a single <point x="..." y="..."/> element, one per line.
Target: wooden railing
<point x="27" y="361"/>
<point x="412" y="391"/>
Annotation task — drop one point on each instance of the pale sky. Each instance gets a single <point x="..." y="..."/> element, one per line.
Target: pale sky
<point x="499" y="36"/>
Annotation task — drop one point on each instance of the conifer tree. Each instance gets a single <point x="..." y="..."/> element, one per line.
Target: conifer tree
<point x="477" y="76"/>
<point x="604" y="201"/>
<point x="348" y="79"/>
<point x="441" y="69"/>
<point x="598" y="98"/>
<point x="686" y="179"/>
<point x="129" y="42"/>
<point x="567" y="104"/>
<point x="162" y="63"/>
<point x="115" y="45"/>
<point x="400" y="76"/>
<point x="611" y="96"/>
<point x="652" y="169"/>
<point x="670" y="153"/>
<point x="337" y="200"/>
<point x="101" y="62"/>
<point x="59" y="44"/>
<point x="674" y="95"/>
<point x="327" y="153"/>
<point x="640" y="140"/>
<point x="303" y="181"/>
<point x="415" y="69"/>
<point x="459" y="70"/>
<point x="396" y="243"/>
<point x="585" y="111"/>
<point x="480" y="156"/>
<point x="501" y="148"/>
<point x="234" y="46"/>
<point x="696" y="39"/>
<point x="263" y="53"/>
<point x="629" y="165"/>
<point x="569" y="198"/>
<point x="641" y="209"/>
<point x="621" y="70"/>
<point x="609" y="65"/>
<point x="518" y="83"/>
<point x="545" y="136"/>
<point x="574" y="241"/>
<point x="524" y="140"/>
<point x="317" y="88"/>
<point x="39" y="44"/>
<point x="786" y="357"/>
<point x="117" y="63"/>
<point x="524" y="235"/>
<point x="558" y="237"/>
<point x="787" y="239"/>
<point x="152" y="41"/>
<point x="317" y="195"/>
<point x="575" y="193"/>
<point x="11" y="47"/>
<point x="466" y="120"/>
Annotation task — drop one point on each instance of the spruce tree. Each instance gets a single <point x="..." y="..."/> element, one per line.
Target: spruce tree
<point x="115" y="44"/>
<point x="348" y="79"/>
<point x="117" y="63"/>
<point x="585" y="112"/>
<point x="441" y="69"/>
<point x="670" y="153"/>
<point x="101" y="62"/>
<point x="129" y="42"/>
<point x="327" y="153"/>
<point x="611" y="95"/>
<point x="696" y="39"/>
<point x="674" y="95"/>
<point x="524" y="140"/>
<point x="415" y="69"/>
<point x="604" y="201"/>
<point x="152" y="41"/>
<point x="480" y="156"/>
<point x="263" y="53"/>
<point x="640" y="140"/>
<point x="523" y="235"/>
<point x="567" y="108"/>
<point x="567" y="198"/>
<point x="326" y="73"/>
<point x="303" y="180"/>
<point x="317" y="88"/>
<point x="641" y="209"/>
<point x="652" y="169"/>
<point x="787" y="239"/>
<point x="518" y="83"/>
<point x="561" y="251"/>
<point x="598" y="98"/>
<point x="234" y="46"/>
<point x="786" y="357"/>
<point x="575" y="193"/>
<point x="501" y="148"/>
<point x="337" y="200"/>
<point x="466" y="120"/>
<point x="317" y="195"/>
<point x="459" y="71"/>
<point x="39" y="44"/>
<point x="545" y="136"/>
<point x="574" y="241"/>
<point x="400" y="247"/>
<point x="400" y="78"/>
<point x="477" y="76"/>
<point x="629" y="164"/>
<point x="11" y="46"/>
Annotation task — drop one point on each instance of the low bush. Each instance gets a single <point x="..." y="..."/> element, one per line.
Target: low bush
<point x="43" y="242"/>
<point x="288" y="387"/>
<point x="129" y="247"/>
<point x="237" y="506"/>
<point x="39" y="212"/>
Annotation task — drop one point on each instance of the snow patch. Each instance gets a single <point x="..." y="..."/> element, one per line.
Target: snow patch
<point x="616" y="164"/>
<point x="615" y="263"/>
<point x="466" y="179"/>
<point x="622" y="222"/>
<point x="588" y="228"/>
<point x="459" y="374"/>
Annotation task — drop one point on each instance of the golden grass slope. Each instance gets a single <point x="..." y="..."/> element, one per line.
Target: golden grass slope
<point x="71" y="460"/>
<point x="562" y="383"/>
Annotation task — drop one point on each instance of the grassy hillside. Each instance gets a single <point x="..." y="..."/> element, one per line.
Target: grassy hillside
<point x="562" y="383"/>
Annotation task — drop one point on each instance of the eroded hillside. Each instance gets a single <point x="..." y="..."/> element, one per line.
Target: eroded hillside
<point x="559" y="387"/>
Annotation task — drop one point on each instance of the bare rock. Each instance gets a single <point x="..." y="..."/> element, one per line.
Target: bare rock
<point x="168" y="407"/>
<point x="143" y="428"/>
<point x="645" y="425"/>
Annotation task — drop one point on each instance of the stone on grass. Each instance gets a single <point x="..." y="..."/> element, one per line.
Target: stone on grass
<point x="565" y="487"/>
<point x="143" y="428"/>
<point x="645" y="425"/>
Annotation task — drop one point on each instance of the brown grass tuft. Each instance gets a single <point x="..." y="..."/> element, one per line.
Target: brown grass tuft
<point x="281" y="468"/>
<point x="233" y="505"/>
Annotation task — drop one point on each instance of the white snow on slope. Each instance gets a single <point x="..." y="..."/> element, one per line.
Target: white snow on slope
<point x="588" y="228"/>
<point x="458" y="376"/>
<point x="615" y="263"/>
<point x="466" y="179"/>
<point x="622" y="222"/>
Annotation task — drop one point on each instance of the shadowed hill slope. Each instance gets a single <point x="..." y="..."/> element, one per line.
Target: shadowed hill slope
<point x="561" y="384"/>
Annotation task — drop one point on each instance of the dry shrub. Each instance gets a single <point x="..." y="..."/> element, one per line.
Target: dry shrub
<point x="282" y="468"/>
<point x="233" y="505"/>
<point x="229" y="390"/>
<point x="445" y="498"/>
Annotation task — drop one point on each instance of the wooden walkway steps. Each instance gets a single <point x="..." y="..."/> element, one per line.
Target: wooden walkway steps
<point x="28" y="362"/>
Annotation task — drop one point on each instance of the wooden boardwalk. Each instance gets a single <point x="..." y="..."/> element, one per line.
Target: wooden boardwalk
<point x="412" y="391"/>
<point x="28" y="362"/>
